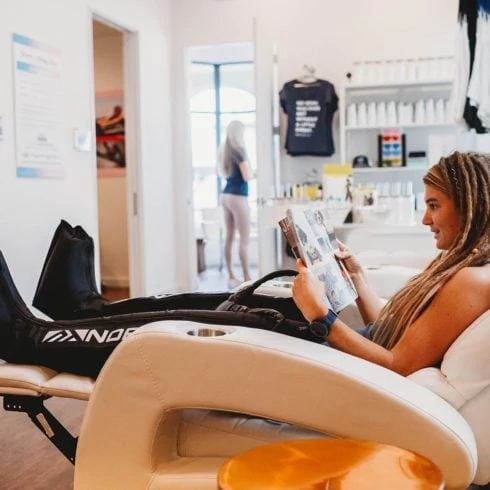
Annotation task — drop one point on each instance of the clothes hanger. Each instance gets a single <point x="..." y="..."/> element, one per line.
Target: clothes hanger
<point x="308" y="78"/>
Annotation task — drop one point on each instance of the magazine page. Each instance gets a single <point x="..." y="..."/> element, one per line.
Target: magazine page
<point x="316" y="243"/>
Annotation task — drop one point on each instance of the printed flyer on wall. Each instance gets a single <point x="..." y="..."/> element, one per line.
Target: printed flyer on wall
<point x="38" y="121"/>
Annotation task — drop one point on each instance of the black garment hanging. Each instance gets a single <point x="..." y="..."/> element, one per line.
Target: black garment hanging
<point x="468" y="10"/>
<point x="310" y="108"/>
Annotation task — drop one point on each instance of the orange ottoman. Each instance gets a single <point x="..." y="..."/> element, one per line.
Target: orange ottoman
<point x="329" y="464"/>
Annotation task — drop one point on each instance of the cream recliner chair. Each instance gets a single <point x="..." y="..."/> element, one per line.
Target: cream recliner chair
<point x="148" y="424"/>
<point x="157" y="416"/>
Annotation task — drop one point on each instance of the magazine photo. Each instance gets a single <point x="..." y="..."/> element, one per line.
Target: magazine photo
<point x="312" y="239"/>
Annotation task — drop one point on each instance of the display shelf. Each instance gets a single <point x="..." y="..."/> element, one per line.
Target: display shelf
<point x="400" y="85"/>
<point x="401" y="126"/>
<point x="363" y="140"/>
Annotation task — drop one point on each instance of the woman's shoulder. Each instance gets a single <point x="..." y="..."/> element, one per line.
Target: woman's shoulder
<point x="239" y="155"/>
<point x="473" y="280"/>
<point x="468" y="291"/>
<point x="473" y="275"/>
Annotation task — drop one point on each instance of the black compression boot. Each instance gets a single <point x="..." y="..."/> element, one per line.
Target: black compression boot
<point x="79" y="347"/>
<point x="82" y="346"/>
<point x="67" y="279"/>
<point x="66" y="288"/>
<point x="16" y="321"/>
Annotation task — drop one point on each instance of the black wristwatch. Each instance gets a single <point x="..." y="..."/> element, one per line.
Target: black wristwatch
<point x="322" y="327"/>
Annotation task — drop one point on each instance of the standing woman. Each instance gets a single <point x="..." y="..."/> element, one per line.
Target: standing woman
<point x="234" y="167"/>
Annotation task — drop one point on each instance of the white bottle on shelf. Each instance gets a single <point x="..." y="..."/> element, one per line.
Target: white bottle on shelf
<point x="430" y="113"/>
<point x="396" y="201"/>
<point x="419" y="113"/>
<point x="391" y="119"/>
<point x="411" y="70"/>
<point x="372" y="117"/>
<point x="407" y="208"/>
<point x="440" y="116"/>
<point x="352" y="116"/>
<point x="381" y="113"/>
<point x="362" y="114"/>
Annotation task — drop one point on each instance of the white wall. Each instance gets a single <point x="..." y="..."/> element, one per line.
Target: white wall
<point x="32" y="208"/>
<point x="328" y="34"/>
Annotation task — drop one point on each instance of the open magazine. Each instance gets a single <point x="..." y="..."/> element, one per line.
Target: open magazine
<point x="313" y="240"/>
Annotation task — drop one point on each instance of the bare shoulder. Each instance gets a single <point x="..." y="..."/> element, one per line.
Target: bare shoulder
<point x="474" y="275"/>
<point x="472" y="282"/>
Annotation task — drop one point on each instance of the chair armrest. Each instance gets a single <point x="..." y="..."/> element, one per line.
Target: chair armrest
<point x="160" y="369"/>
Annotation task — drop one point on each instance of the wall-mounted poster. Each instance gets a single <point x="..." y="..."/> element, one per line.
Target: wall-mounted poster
<point x="38" y="104"/>
<point x="110" y="134"/>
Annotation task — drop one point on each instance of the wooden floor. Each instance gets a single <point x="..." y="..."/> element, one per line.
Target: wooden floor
<point x="115" y="294"/>
<point x="28" y="460"/>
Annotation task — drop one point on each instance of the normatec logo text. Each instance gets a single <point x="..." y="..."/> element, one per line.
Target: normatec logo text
<point x="88" y="335"/>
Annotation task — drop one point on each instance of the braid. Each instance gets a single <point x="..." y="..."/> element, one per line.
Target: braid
<point x="465" y="178"/>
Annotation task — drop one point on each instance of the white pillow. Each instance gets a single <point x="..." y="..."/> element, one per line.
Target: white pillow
<point x="465" y="368"/>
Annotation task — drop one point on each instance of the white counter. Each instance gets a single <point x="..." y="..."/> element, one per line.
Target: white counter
<point x="410" y="245"/>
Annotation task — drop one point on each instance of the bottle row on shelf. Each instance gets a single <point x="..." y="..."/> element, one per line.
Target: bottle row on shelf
<point x="402" y="70"/>
<point x="392" y="113"/>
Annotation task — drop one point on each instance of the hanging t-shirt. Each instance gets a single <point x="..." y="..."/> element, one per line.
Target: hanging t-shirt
<point x="310" y="108"/>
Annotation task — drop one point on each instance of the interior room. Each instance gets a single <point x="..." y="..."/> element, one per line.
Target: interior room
<point x="142" y="253"/>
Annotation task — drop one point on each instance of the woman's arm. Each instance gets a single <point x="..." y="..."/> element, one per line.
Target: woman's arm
<point x="245" y="171"/>
<point x="308" y="294"/>
<point x="368" y="302"/>
<point x="463" y="299"/>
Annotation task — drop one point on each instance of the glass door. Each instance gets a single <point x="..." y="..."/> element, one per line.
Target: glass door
<point x="222" y="90"/>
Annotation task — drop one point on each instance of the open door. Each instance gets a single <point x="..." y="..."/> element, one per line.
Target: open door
<point x="222" y="90"/>
<point x="116" y="102"/>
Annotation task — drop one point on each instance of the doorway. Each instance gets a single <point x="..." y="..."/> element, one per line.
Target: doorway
<point x="112" y="162"/>
<point x="222" y="89"/>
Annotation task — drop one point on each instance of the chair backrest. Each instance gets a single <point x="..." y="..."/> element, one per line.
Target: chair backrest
<point x="464" y="381"/>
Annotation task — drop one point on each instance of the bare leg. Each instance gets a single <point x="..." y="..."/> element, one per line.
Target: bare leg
<point x="229" y="233"/>
<point x="240" y="217"/>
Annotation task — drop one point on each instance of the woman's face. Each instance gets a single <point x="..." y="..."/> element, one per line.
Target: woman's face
<point x="442" y="217"/>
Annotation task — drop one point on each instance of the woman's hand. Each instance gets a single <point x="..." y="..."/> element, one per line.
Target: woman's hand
<point x="308" y="293"/>
<point x="350" y="261"/>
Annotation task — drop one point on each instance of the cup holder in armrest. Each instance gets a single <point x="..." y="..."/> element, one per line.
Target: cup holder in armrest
<point x="206" y="332"/>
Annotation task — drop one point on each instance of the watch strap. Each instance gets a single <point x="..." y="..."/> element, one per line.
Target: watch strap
<point x="329" y="319"/>
<point x="322" y="327"/>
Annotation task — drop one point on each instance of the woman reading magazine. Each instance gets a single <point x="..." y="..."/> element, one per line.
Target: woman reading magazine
<point x="419" y="323"/>
<point x="412" y="331"/>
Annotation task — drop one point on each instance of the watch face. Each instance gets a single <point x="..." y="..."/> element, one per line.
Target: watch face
<point x="319" y="329"/>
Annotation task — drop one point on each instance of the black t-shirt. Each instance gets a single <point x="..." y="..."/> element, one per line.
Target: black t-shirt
<point x="310" y="109"/>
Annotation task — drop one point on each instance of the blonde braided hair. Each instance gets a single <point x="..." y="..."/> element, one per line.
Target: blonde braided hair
<point x="465" y="178"/>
